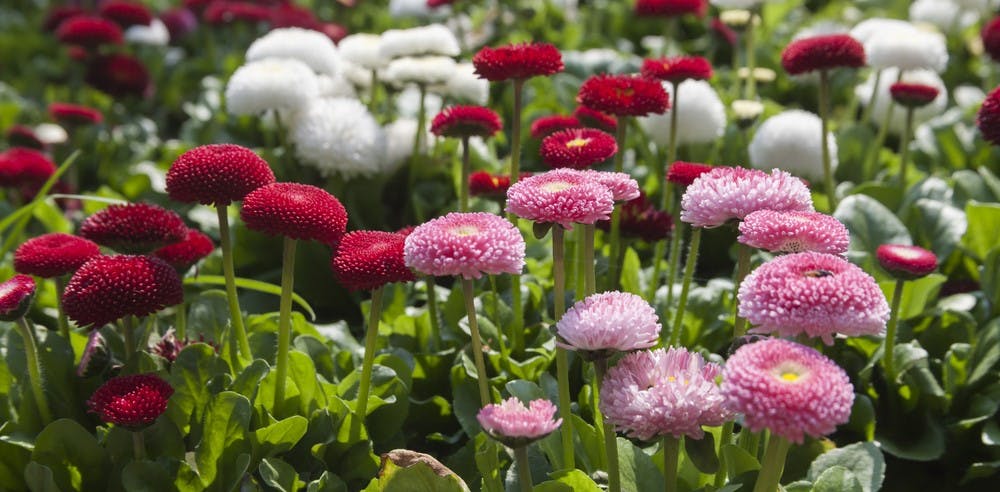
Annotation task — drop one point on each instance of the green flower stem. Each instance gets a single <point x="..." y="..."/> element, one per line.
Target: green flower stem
<point x="671" y="453"/>
<point x="871" y="157"/>
<point x="866" y="115"/>
<point x="751" y="87"/>
<point x="558" y="271"/>
<point x="477" y="343"/>
<point x="665" y="203"/>
<point x="824" y="110"/>
<point x="672" y="146"/>
<point x="180" y="321"/>
<point x="725" y="438"/>
<point x="523" y="468"/>
<point x="128" y="333"/>
<point x="673" y="263"/>
<point x="565" y="408"/>
<point x="589" y="266"/>
<point x="432" y="310"/>
<point x="364" y="384"/>
<point x="742" y="269"/>
<point x="613" y="261"/>
<point x="610" y="437"/>
<point x="63" y="321"/>
<point x="502" y="345"/>
<point x="421" y="120"/>
<point x="138" y="445"/>
<point x="888" y="350"/>
<point x="239" y="344"/>
<point x="373" y="91"/>
<point x="904" y="151"/>
<point x="463" y="196"/>
<point x="689" y="266"/>
<point x="750" y="441"/>
<point x="517" y="324"/>
<point x="580" y="273"/>
<point x="773" y="465"/>
<point x="34" y="369"/>
<point x="284" y="322"/>
<point x="418" y="212"/>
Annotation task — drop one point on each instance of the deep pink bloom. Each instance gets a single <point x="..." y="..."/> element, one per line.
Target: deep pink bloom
<point x="466" y="244"/>
<point x="367" y="260"/>
<point x="516" y="425"/>
<point x="108" y="288"/>
<point x="639" y="218"/>
<point x="988" y="118"/>
<point x="732" y="193"/>
<point x="794" y="232"/>
<point x="577" y="148"/>
<point x="913" y="95"/>
<point x="906" y="262"/>
<point x="88" y="31"/>
<point x="24" y="136"/>
<point x="592" y="118"/>
<point x="608" y="322"/>
<point x="684" y="173"/>
<point x="126" y="14"/>
<point x="53" y="255"/>
<point x="220" y="12"/>
<point x="58" y="13"/>
<point x="991" y="38"/>
<point x="547" y="125"/>
<point x="183" y="254"/>
<point x="560" y="196"/>
<point x="815" y="294"/>
<point x="133" y="402"/>
<point x="119" y="75"/>
<point x="295" y="210"/>
<point x="20" y="166"/>
<point x="822" y="53"/>
<point x="677" y="69"/>
<point x="482" y="183"/>
<point x="663" y="392"/>
<point x="517" y="61"/>
<point x="16" y="294"/>
<point x="624" y="95"/>
<point x="787" y="388"/>
<point x="136" y="228"/>
<point x="670" y="8"/>
<point x="623" y="187"/>
<point x="74" y="114"/>
<point x="466" y="121"/>
<point x="217" y="174"/>
<point x="179" y="22"/>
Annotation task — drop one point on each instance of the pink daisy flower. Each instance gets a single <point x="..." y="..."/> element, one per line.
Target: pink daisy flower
<point x="787" y="388"/>
<point x="732" y="193"/>
<point x="466" y="244"/>
<point x="815" y="294"/>
<point x="906" y="262"/>
<point x="608" y="322"/>
<point x="561" y="196"/>
<point x="794" y="232"/>
<point x="663" y="392"/>
<point x="623" y="187"/>
<point x="516" y="425"/>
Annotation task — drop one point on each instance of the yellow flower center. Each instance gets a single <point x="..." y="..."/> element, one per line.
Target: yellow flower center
<point x="789" y="376"/>
<point x="557" y="186"/>
<point x="790" y="372"/>
<point x="577" y="142"/>
<point x="465" y="230"/>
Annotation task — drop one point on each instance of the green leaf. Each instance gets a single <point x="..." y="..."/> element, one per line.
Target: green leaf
<point x="249" y="380"/>
<point x="863" y="459"/>
<point x="278" y="437"/>
<point x="941" y="224"/>
<point x="224" y="451"/>
<point x="917" y="294"/>
<point x="871" y="224"/>
<point x="701" y="452"/>
<point x="540" y="229"/>
<point x="985" y="352"/>
<point x="327" y="482"/>
<point x="40" y="478"/>
<point x="189" y="376"/>
<point x="981" y="235"/>
<point x="738" y="461"/>
<point x="13" y="460"/>
<point x="146" y="476"/>
<point x="22" y="215"/>
<point x="568" y="481"/>
<point x="638" y="472"/>
<point x="246" y="283"/>
<point x="630" y="272"/>
<point x="837" y="479"/>
<point x="74" y="456"/>
<point x="409" y="471"/>
<point x="280" y="475"/>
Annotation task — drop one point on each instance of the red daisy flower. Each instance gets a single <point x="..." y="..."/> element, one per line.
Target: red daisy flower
<point x="119" y="75"/>
<point x="991" y="38"/>
<point x="58" y="14"/>
<point x="136" y="228"/>
<point x="16" y="294"/>
<point x="677" y="69"/>
<point x="184" y="254"/>
<point x="724" y="32"/>
<point x="906" y="262"/>
<point x="988" y="118"/>
<point x="547" y="125"/>
<point x="74" y="114"/>
<point x="517" y="61"/>
<point x="623" y="95"/>
<point x="133" y="402"/>
<point x="640" y="219"/>
<point x="670" y="8"/>
<point x="484" y="184"/>
<point x="466" y="121"/>
<point x="108" y="288"/>
<point x="439" y="3"/>
<point x="684" y="173"/>
<point x="577" y="148"/>
<point x="24" y="136"/>
<point x="367" y="260"/>
<point x="226" y="12"/>
<point x="217" y="174"/>
<point x="592" y="118"/>
<point x="126" y="14"/>
<point x="88" y="31"/>
<point x="20" y="166"/>
<point x="913" y="95"/>
<point x="822" y="53"/>
<point x="53" y="255"/>
<point x="179" y="22"/>
<point x="298" y="211"/>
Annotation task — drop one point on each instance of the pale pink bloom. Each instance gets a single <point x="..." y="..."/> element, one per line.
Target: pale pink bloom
<point x="794" y="232"/>
<point x="609" y="321"/>
<point x="515" y="425"/>
<point x="561" y="196"/>
<point x="732" y="193"/>
<point x="623" y="187"/>
<point x="466" y="244"/>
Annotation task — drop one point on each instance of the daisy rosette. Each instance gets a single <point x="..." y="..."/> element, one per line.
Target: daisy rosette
<point x="684" y="173"/>
<point x="313" y="48"/>
<point x="608" y="322"/>
<point x="913" y="95"/>
<point x="75" y="114"/>
<point x="283" y="84"/>
<point x="134" y="228"/>
<point x="670" y="8"/>
<point x="791" y="142"/>
<point x="296" y="211"/>
<point x="906" y="262"/>
<point x="89" y="32"/>
<point x="577" y="148"/>
<point x="794" y="232"/>
<point x="21" y="166"/>
<point x="368" y="260"/>
<point x="560" y="196"/>
<point x="517" y="425"/>
<point x="517" y="61"/>
<point x="465" y="122"/>
<point x="547" y="125"/>
<point x="53" y="255"/>
<point x="16" y="294"/>
<point x="423" y="70"/>
<point x="362" y="50"/>
<point x="119" y="75"/>
<point x="593" y="118"/>
<point x="108" y="288"/>
<point x="623" y="95"/>
<point x="731" y="193"/>
<point x="183" y="254"/>
<point x="677" y="69"/>
<point x="640" y="219"/>
<point x="988" y="117"/>
<point x="891" y="43"/>
<point x="133" y="402"/>
<point x="465" y="244"/>
<point x="813" y="294"/>
<point x="217" y="174"/>
<point x="789" y="389"/>
<point x="822" y="53"/>
<point x="663" y="392"/>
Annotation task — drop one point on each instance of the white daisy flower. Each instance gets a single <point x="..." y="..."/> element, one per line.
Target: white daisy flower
<point x="399" y="142"/>
<point x="946" y="15"/>
<point x="901" y="44"/>
<point x="339" y="136"/>
<point x="790" y="141"/>
<point x="155" y="34"/>
<point x="821" y="28"/>
<point x="701" y="116"/>
<point x="425" y="70"/>
<point x="883" y="98"/>
<point x="434" y="39"/>
<point x="735" y="4"/>
<point x="465" y="86"/>
<point x="335" y="86"/>
<point x="313" y="48"/>
<point x="272" y="83"/>
<point x="362" y="50"/>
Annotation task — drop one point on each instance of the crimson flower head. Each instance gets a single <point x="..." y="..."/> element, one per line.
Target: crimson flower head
<point x="517" y="61"/>
<point x="466" y="121"/>
<point x="677" y="69"/>
<point x="119" y="75"/>
<point x="16" y="295"/>
<point x="58" y="13"/>
<point x="297" y="211"/>
<point x="640" y="219"/>
<point x="822" y="53"/>
<point x="913" y="95"/>
<point x="108" y="288"/>
<point x="367" y="260"/>
<point x="74" y="114"/>
<point x="135" y="228"/>
<point x="547" y="125"/>
<point x="179" y="22"/>
<point x="88" y="31"/>
<point x="991" y="38"/>
<point x="684" y="173"/>
<point x="623" y="95"/>
<point x="482" y="183"/>
<point x="988" y="118"/>
<point x="217" y="174"/>
<point x="670" y="8"/>
<point x="53" y="255"/>
<point x="126" y="14"/>
<point x="133" y="402"/>
<point x="221" y="12"/>
<point x="577" y="148"/>
<point x="592" y="118"/>
<point x="183" y="254"/>
<point x="906" y="262"/>
<point x="21" y="166"/>
<point x="24" y="136"/>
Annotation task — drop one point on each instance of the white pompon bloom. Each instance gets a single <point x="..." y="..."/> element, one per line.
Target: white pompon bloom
<point x="465" y="86"/>
<point x="335" y="86"/>
<point x="415" y="8"/>
<point x="821" y="28"/>
<point x="408" y="103"/>
<point x="790" y="141"/>
<point x="969" y="96"/>
<point x="363" y="50"/>
<point x="434" y="39"/>
<point x="313" y="48"/>
<point x="273" y="83"/>
<point x="701" y="116"/>
<point x="900" y="44"/>
<point x="339" y="136"/>
<point x="360" y="76"/>
<point x="946" y="15"/>
<point x="735" y="4"/>
<point x="155" y="34"/>
<point x="51" y="133"/>
<point x="883" y="98"/>
<point x="399" y="142"/>
<point x="426" y="70"/>
<point x="867" y="29"/>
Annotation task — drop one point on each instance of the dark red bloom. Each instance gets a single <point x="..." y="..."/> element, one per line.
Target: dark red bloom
<point x="58" y="14"/>
<point x="592" y="118"/>
<point x="482" y="183"/>
<point x="88" y="31"/>
<point x="684" y="173"/>
<point x="126" y="14"/>
<point x="547" y="125"/>
<point x="991" y="38"/>
<point x="217" y="174"/>
<point x="623" y="95"/>
<point x="906" y="262"/>
<point x="822" y="53"/>
<point x="517" y="61"/>
<point x="334" y="31"/>
<point x="133" y="402"/>
<point x="135" y="228"/>
<point x="184" y="254"/>
<point x="639" y="218"/>
<point x="179" y="22"/>
<point x="367" y="260"/>
<point x="169" y="346"/>
<point x="226" y="12"/>
<point x="108" y="288"/>
<point x="724" y="32"/>
<point x="577" y="148"/>
<point x="913" y="95"/>
<point x="988" y="118"/>
<point x="16" y="294"/>
<point x="466" y="121"/>
<point x="20" y="166"/>
<point x="439" y="3"/>
<point x="677" y="69"/>
<point x="119" y="75"/>
<point x="670" y="8"/>
<point x="295" y="210"/>
<point x="53" y="255"/>
<point x="24" y="136"/>
<point x="74" y="114"/>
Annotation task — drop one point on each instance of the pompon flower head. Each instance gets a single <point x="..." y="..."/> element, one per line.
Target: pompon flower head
<point x="547" y="125"/>
<point x="184" y="254"/>
<point x="313" y="48"/>
<point x="623" y="95"/>
<point x="217" y="174"/>
<point x="89" y="32"/>
<point x="16" y="294"/>
<point x="56" y="14"/>
<point x="991" y="38"/>
<point x="21" y="166"/>
<point x="155" y="34"/>
<point x="699" y="109"/>
<point x="367" y="260"/>
<point x="465" y="244"/>
<point x="484" y="184"/>
<point x="677" y="69"/>
<point x="424" y="70"/>
<point x="912" y="95"/>
<point x="906" y="262"/>
<point x="790" y="141"/>
<point x="133" y="402"/>
<point x="222" y="12"/>
<point x="946" y="15"/>
<point x="732" y="193"/>
<point x="107" y="288"/>
<point x="399" y="142"/>
<point x="884" y="99"/>
<point x="623" y="187"/>
<point x="339" y="137"/>
<point x="74" y="114"/>
<point x="684" y="173"/>
<point x="433" y="39"/>
<point x="23" y="136"/>
<point x="518" y="61"/>
<point x="119" y="75"/>
<point x="126" y="14"/>
<point x="577" y="148"/>
<point x="640" y="219"/>
<point x="516" y="425"/>
<point x="790" y="389"/>
<point x="465" y="86"/>
<point x="273" y="83"/>
<point x="988" y="117"/>
<point x="670" y="8"/>
<point x="735" y="4"/>
<point x="180" y="22"/>
<point x="466" y="121"/>
<point x="592" y="118"/>
<point x="906" y="47"/>
<point x="560" y="196"/>
<point x="53" y="255"/>
<point x="663" y="393"/>
<point x="794" y="232"/>
<point x="822" y="53"/>
<point x="608" y="322"/>
<point x="135" y="228"/>
<point x="363" y="50"/>
<point x="294" y="210"/>
<point x="815" y="294"/>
